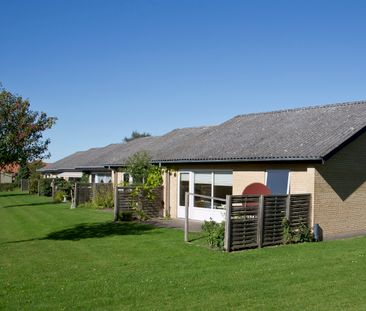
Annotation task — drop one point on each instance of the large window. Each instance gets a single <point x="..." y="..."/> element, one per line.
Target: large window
<point x="277" y="181"/>
<point x="207" y="183"/>
<point x="202" y="186"/>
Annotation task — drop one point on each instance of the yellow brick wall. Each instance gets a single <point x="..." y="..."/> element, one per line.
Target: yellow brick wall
<point x="173" y="194"/>
<point x="340" y="192"/>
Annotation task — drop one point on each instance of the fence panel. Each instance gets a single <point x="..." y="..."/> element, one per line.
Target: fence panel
<point x="244" y="222"/>
<point x="126" y="202"/>
<point x="299" y="210"/>
<point x="274" y="213"/>
<point x="24" y="185"/>
<point x="251" y="228"/>
<point x="83" y="193"/>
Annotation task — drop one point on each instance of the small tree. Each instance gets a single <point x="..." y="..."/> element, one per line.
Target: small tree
<point x="135" y="135"/>
<point x="138" y="166"/>
<point x="146" y="178"/>
<point x="21" y="131"/>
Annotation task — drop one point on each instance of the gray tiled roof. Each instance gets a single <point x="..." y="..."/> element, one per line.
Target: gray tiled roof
<point x="296" y="134"/>
<point x="305" y="133"/>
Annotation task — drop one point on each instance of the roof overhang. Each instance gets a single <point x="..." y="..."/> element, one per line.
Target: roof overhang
<point x="229" y="161"/>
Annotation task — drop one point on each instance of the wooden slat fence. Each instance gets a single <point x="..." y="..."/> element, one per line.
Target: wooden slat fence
<point x="300" y="210"/>
<point x="244" y="222"/>
<point x="274" y="212"/>
<point x="83" y="193"/>
<point x="24" y="185"/>
<point x="87" y="192"/>
<point x="125" y="202"/>
<point x="256" y="221"/>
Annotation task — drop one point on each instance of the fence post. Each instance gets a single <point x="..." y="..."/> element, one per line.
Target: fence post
<point x="76" y="195"/>
<point x="288" y="201"/>
<point x="93" y="192"/>
<point x="227" y="241"/>
<point x="116" y="207"/>
<point x="260" y="222"/>
<point x="186" y="222"/>
<point x="38" y="186"/>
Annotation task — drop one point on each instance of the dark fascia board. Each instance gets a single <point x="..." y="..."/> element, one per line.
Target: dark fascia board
<point x="92" y="168"/>
<point x="344" y="143"/>
<point x="56" y="171"/>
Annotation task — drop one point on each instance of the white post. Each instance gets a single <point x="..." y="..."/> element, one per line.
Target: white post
<point x="227" y="240"/>
<point x="186" y="222"/>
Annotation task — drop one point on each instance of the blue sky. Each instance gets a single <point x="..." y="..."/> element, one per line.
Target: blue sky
<point x="106" y="68"/>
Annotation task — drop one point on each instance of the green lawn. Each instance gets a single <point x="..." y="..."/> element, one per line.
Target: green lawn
<point x="54" y="258"/>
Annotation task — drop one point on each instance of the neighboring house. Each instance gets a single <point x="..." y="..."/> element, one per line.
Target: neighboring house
<point x="8" y="174"/>
<point x="317" y="150"/>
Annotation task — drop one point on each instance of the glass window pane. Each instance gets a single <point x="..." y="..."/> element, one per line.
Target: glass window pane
<point x="184" y="187"/>
<point x="223" y="179"/>
<point x="203" y="186"/>
<point x="221" y="192"/>
<point x="277" y="181"/>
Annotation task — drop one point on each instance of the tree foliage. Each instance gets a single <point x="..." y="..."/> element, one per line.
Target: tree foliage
<point x="138" y="166"/>
<point x="21" y="131"/>
<point x="135" y="135"/>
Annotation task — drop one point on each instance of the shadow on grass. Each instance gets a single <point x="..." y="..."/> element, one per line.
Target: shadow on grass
<point x="11" y="194"/>
<point x="29" y="204"/>
<point x="95" y="230"/>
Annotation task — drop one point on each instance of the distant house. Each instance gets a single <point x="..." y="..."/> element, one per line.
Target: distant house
<point x="317" y="150"/>
<point x="8" y="174"/>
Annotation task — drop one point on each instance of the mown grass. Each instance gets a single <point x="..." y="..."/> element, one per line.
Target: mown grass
<point x="55" y="258"/>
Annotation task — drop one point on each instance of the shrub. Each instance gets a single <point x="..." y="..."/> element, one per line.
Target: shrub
<point x="64" y="186"/>
<point x="104" y="198"/>
<point x="59" y="196"/>
<point x="302" y="234"/>
<point x="8" y="187"/>
<point x="215" y="233"/>
<point x="33" y="185"/>
<point x="298" y="235"/>
<point x="45" y="187"/>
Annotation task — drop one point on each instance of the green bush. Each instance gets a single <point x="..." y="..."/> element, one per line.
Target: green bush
<point x="8" y="187"/>
<point x="59" y="196"/>
<point x="33" y="185"/>
<point x="104" y="198"/>
<point x="64" y="186"/>
<point x="45" y="187"/>
<point x="298" y="235"/>
<point x="215" y="233"/>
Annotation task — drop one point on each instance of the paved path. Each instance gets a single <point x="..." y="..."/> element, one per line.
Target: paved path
<point x="178" y="223"/>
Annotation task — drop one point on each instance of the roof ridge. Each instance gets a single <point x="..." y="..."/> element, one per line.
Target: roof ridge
<point x="358" y="102"/>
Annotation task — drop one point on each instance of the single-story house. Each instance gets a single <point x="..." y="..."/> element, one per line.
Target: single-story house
<point x="317" y="150"/>
<point x="8" y="173"/>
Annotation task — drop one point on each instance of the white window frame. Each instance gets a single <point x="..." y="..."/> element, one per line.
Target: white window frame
<point x="288" y="178"/>
<point x="191" y="185"/>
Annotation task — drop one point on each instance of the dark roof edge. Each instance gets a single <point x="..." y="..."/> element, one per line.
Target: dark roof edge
<point x="344" y="143"/>
<point x="56" y="171"/>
